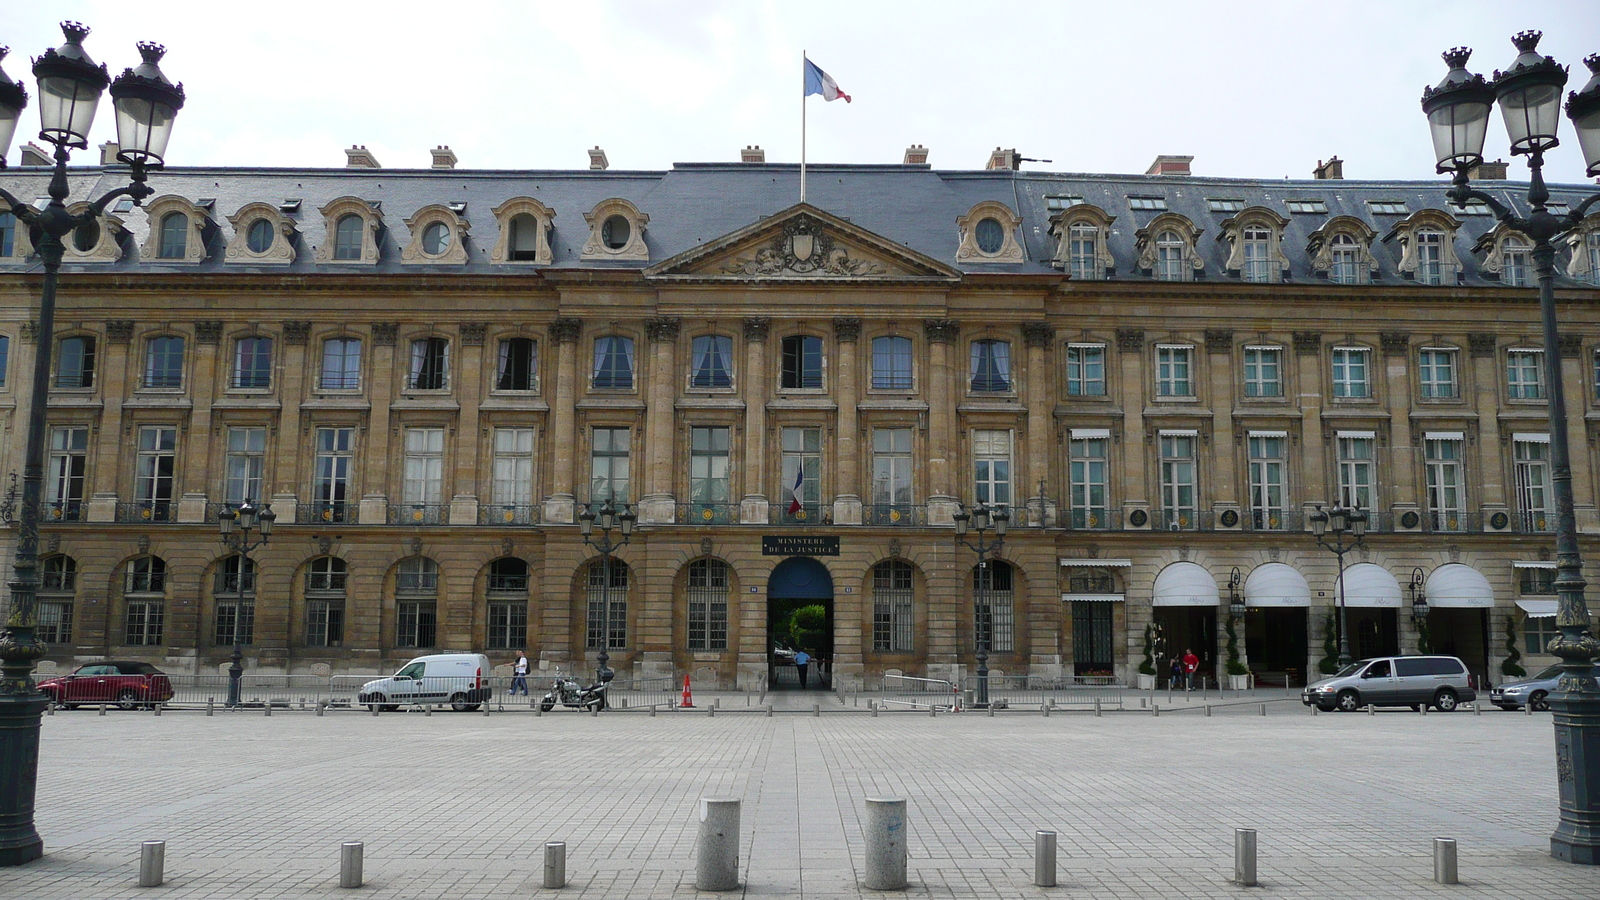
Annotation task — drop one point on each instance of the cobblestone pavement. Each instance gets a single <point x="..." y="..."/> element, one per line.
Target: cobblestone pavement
<point x="458" y="805"/>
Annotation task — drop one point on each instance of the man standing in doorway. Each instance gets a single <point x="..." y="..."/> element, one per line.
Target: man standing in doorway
<point x="802" y="659"/>
<point x="1191" y="664"/>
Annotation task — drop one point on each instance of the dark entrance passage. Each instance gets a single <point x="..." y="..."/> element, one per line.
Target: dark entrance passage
<point x="1373" y="632"/>
<point x="1463" y="633"/>
<point x="1275" y="641"/>
<point x="1187" y="628"/>
<point x="799" y="617"/>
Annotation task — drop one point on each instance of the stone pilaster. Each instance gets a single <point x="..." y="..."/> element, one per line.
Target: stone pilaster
<point x="847" y="500"/>
<point x="1311" y="377"/>
<point x="558" y="506"/>
<point x="753" y="507"/>
<point x="941" y="335"/>
<point x="656" y="507"/>
<point x="1039" y="388"/>
<point x="467" y="384"/>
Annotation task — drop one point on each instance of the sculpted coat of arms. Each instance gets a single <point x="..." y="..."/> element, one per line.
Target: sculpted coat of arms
<point x="802" y="248"/>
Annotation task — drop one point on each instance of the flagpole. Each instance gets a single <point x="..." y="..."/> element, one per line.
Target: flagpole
<point x="802" y="126"/>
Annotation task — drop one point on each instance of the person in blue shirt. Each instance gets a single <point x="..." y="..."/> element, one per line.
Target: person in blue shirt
<point x="801" y="660"/>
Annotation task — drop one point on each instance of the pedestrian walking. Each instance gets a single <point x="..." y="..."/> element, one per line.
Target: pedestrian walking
<point x="1191" y="664"/>
<point x="1175" y="671"/>
<point x="519" y="675"/>
<point x="802" y="659"/>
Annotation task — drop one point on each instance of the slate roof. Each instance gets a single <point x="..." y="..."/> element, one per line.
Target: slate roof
<point x="694" y="203"/>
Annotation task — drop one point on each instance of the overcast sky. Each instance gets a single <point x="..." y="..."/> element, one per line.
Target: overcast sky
<point x="1249" y="89"/>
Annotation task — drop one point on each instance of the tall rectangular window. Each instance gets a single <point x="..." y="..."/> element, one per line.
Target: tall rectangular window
<point x="163" y="362"/>
<point x="341" y="364"/>
<point x="1263" y="372"/>
<point x="236" y="606"/>
<point x="1178" y="480"/>
<point x="1446" y="487"/>
<point x="158" y="448"/>
<point x="613" y="363"/>
<point x="1086" y="370"/>
<point x="1257" y="255"/>
<point x="1083" y="252"/>
<point x="144" y="622"/>
<point x="513" y="467"/>
<point x="1592" y="242"/>
<point x="330" y="485"/>
<point x="801" y="362"/>
<point x="518" y="365"/>
<point x="1174" y="377"/>
<point x="891" y="363"/>
<point x="708" y="605"/>
<point x="1525" y="374"/>
<point x="1533" y="483"/>
<point x="1351" y="374"/>
<point x="893" y="623"/>
<point x="891" y="469"/>
<point x="800" y="494"/>
<point x="609" y="465"/>
<point x="607" y="589"/>
<point x="1266" y="481"/>
<point x="1092" y="644"/>
<point x="508" y="624"/>
<point x="1088" y="482"/>
<point x="991" y="464"/>
<point x="252" y="362"/>
<point x="75" y="363"/>
<point x="708" y="465"/>
<point x="1436" y="370"/>
<point x="424" y="466"/>
<point x="1430" y="257"/>
<point x="993" y="606"/>
<point x="5" y="353"/>
<point x="247" y="448"/>
<point x="430" y="365"/>
<point x="1357" y="478"/>
<point x="991" y="366"/>
<point x="63" y="487"/>
<point x="712" y="356"/>
<point x="1346" y="258"/>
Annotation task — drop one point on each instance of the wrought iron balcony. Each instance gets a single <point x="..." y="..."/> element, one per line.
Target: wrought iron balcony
<point x="62" y="511"/>
<point x="338" y="512"/>
<point x="148" y="511"/>
<point x="706" y="513"/>
<point x="1097" y="518"/>
<point x="419" y="514"/>
<point x="807" y="514"/>
<point x="508" y="514"/>
<point x="234" y="583"/>
<point x="894" y="514"/>
<point x="508" y="584"/>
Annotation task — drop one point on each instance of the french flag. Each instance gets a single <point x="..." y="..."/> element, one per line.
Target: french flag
<point x="794" y="492"/>
<point x="820" y="82"/>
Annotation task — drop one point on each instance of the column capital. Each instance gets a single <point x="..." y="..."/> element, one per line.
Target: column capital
<point x="1038" y="334"/>
<point x="847" y="328"/>
<point x="565" y="330"/>
<point x="756" y="328"/>
<point x="663" y="328"/>
<point x="941" y="331"/>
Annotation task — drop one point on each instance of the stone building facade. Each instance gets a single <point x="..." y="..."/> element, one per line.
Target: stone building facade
<point x="429" y="373"/>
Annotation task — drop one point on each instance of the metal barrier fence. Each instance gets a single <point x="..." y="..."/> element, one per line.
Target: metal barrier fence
<point x="920" y="693"/>
<point x="1072" y="690"/>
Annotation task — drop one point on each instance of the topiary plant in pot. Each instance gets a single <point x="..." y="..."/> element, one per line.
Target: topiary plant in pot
<point x="1510" y="666"/>
<point x="1237" y="670"/>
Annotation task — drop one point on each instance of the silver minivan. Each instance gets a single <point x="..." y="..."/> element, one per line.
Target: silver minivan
<point x="1438" y="681"/>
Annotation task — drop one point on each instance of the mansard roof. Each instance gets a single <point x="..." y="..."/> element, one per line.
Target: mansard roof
<point x="695" y="205"/>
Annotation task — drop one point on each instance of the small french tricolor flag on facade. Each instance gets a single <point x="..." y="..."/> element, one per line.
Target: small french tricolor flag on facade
<point x="820" y="82"/>
<point x="795" y="503"/>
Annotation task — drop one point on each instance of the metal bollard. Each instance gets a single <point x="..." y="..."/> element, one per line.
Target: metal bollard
<point x="652" y="710"/>
<point x="1371" y="710"/>
<point x="1315" y="709"/>
<point x="555" y="864"/>
<point x="486" y="708"/>
<point x="932" y="711"/>
<point x="716" y="866"/>
<point x="374" y="709"/>
<point x="1422" y="708"/>
<point x="1142" y="702"/>
<point x="886" y="844"/>
<point x="1244" y="857"/>
<point x="152" y="863"/>
<point x="50" y="709"/>
<point x="538" y="712"/>
<point x="874" y="711"/>
<point x="1047" y="709"/>
<point x="1044" y="858"/>
<point x="1097" y="707"/>
<point x="711" y="711"/>
<point x="350" y="853"/>
<point x="1477" y="708"/>
<point x="427" y="710"/>
<point x="210" y="703"/>
<point x="1444" y="861"/>
<point x="1527" y="709"/>
<point x="991" y="710"/>
<point x="594" y="710"/>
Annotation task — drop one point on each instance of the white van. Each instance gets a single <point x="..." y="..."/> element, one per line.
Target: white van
<point x="459" y="679"/>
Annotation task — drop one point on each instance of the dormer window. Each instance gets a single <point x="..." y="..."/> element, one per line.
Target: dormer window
<point x="438" y="235"/>
<point x="177" y="231"/>
<point x="988" y="234"/>
<point x="259" y="237"/>
<point x="262" y="236"/>
<point x="1427" y="247"/>
<point x="174" y="235"/>
<point x="347" y="237"/>
<point x="435" y="239"/>
<point x="616" y="231"/>
<point x="1166" y="248"/>
<point x="1081" y="248"/>
<point x="1344" y="251"/>
<point x="1341" y="252"/>
<point x="8" y="235"/>
<point x="1516" y="262"/>
<point x="524" y="232"/>
<point x="1169" y="257"/>
<point x="1584" y="244"/>
<point x="1255" y="254"/>
<point x="1254" y="237"/>
<point x="1430" y="257"/>
<point x="351" y="236"/>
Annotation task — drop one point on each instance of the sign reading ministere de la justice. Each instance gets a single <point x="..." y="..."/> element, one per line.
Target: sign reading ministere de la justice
<point x="799" y="545"/>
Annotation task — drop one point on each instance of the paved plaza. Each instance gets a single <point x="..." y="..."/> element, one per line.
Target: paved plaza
<point x="459" y="805"/>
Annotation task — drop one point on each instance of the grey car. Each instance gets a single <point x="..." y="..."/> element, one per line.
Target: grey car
<point x="1438" y="681"/>
<point x="1531" y="691"/>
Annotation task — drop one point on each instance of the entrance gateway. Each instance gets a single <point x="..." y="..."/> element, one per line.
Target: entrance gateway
<point x="797" y="587"/>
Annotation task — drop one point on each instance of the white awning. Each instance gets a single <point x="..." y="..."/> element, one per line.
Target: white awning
<point x="1455" y="586"/>
<point x="1179" y="432"/>
<point x="1369" y="586"/>
<point x="1363" y="435"/>
<point x="1532" y="564"/>
<point x="1185" y="584"/>
<point x="1444" y="435"/>
<point x="1254" y="433"/>
<point x="1538" y="609"/>
<point x="1092" y="598"/>
<point x="1082" y="563"/>
<point x="1090" y="434"/>
<point x="1535" y="437"/>
<point x="1276" y="584"/>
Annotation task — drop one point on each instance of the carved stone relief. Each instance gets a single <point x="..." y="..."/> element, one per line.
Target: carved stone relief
<point x="802" y="248"/>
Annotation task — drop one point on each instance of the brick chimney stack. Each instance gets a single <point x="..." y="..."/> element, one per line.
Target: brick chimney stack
<point x="444" y="157"/>
<point x="1170" y="165"/>
<point x="1489" y="171"/>
<point x="916" y="155"/>
<point x="359" y="157"/>
<point x="597" y="159"/>
<point x="35" y="155"/>
<point x="753" y="154"/>
<point x="1332" y="170"/>
<point x="1004" y="159"/>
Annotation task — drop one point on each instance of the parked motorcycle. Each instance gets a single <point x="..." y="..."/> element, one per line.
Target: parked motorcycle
<point x="567" y="692"/>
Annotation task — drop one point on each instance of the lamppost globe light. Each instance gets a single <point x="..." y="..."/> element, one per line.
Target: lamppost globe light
<point x="1458" y="113"/>
<point x="608" y="513"/>
<point x="1583" y="108"/>
<point x="13" y="100"/>
<point x="146" y="104"/>
<point x="1530" y="96"/>
<point x="70" y="85"/>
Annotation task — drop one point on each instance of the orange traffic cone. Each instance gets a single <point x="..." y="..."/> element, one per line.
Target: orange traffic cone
<point x="688" y="699"/>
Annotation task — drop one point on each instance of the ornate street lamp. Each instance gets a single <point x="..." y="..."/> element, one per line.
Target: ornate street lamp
<point x="1419" y="596"/>
<point x="1236" y="604"/>
<point x="70" y="86"/>
<point x="1529" y="94"/>
<point x="235" y="526"/>
<point x="608" y="518"/>
<point x="982" y="519"/>
<point x="1342" y="523"/>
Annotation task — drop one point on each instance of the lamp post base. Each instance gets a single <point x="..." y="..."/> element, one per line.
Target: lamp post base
<point x="19" y="764"/>
<point x="1577" y="723"/>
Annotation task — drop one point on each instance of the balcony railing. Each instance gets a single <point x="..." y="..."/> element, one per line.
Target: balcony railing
<point x="706" y="513"/>
<point x="1271" y="520"/>
<point x="62" y="511"/>
<point x="1533" y="522"/>
<point x="894" y="514"/>
<point x="807" y="514"/>
<point x="1094" y="518"/>
<point x="147" y="511"/>
<point x="419" y="514"/>
<point x="234" y="583"/>
<point x="1451" y="521"/>
<point x="337" y="512"/>
<point x="508" y="514"/>
<point x="508" y="584"/>
<point x="1181" y="520"/>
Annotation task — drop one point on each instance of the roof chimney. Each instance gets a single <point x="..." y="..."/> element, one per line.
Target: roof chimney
<point x="597" y="159"/>
<point x="1332" y="170"/>
<point x="916" y="155"/>
<point x="35" y="155"/>
<point x="753" y="154"/>
<point x="1170" y="165"/>
<point x="1489" y="171"/>
<point x="108" y="153"/>
<point x="1003" y="159"/>
<point x="357" y="157"/>
<point x="444" y="157"/>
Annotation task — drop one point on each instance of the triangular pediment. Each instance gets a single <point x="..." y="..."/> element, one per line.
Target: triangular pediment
<point x="801" y="243"/>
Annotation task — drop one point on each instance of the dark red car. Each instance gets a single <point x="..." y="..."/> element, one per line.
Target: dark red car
<point x="129" y="685"/>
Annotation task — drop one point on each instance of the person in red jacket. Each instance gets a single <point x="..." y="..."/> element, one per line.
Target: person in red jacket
<point x="1190" y="664"/>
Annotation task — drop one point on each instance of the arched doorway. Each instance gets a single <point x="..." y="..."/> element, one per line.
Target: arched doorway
<point x="796" y="587"/>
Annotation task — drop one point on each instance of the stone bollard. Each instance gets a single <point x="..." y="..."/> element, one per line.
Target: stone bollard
<point x="210" y="703"/>
<point x="816" y="710"/>
<point x="156" y="709"/>
<point x="1263" y="709"/>
<point x="886" y="844"/>
<point x="266" y="708"/>
<point x="1155" y="710"/>
<point x="350" y="853"/>
<point x="102" y="709"/>
<point x="1097" y="707"/>
<point x="555" y="864"/>
<point x="322" y="707"/>
<point x="716" y="866"/>
<point x="1444" y="861"/>
<point x="769" y="710"/>
<point x="1244" y="857"/>
<point x="1044" y="858"/>
<point x="1142" y="702"/>
<point x="152" y="863"/>
<point x="50" y="709"/>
